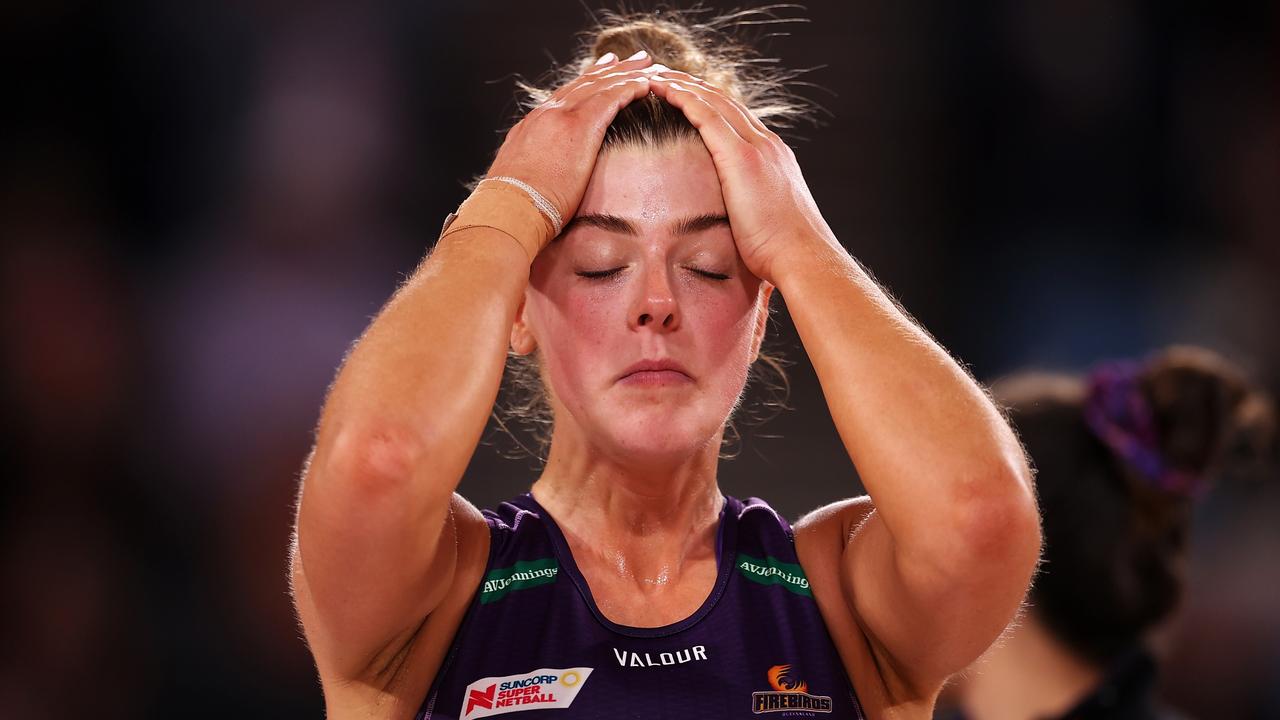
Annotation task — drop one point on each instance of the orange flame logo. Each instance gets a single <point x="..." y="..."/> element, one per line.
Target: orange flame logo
<point x="781" y="681"/>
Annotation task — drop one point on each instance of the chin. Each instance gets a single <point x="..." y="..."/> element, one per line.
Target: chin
<point x="658" y="436"/>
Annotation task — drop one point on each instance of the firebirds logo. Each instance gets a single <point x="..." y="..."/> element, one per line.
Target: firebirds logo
<point x="544" y="688"/>
<point x="788" y="694"/>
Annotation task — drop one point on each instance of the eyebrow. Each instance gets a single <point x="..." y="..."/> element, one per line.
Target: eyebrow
<point x="622" y="226"/>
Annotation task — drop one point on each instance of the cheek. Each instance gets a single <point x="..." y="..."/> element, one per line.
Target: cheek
<point x="724" y="325"/>
<point x="584" y="336"/>
<point x="573" y="332"/>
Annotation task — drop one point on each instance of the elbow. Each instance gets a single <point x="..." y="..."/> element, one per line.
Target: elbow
<point x="367" y="463"/>
<point x="997" y="520"/>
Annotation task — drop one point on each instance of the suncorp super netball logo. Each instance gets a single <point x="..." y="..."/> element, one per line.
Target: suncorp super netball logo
<point x="788" y="695"/>
<point x="539" y="689"/>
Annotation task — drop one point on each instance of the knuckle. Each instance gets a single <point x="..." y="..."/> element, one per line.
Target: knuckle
<point x="750" y="157"/>
<point x="569" y="117"/>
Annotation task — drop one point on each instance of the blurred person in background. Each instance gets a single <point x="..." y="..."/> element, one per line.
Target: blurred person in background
<point x="625" y="569"/>
<point x="1121" y="457"/>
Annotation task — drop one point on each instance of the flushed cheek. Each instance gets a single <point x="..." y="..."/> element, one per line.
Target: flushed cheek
<point x="575" y="340"/>
<point x="726" y="343"/>
<point x="586" y="337"/>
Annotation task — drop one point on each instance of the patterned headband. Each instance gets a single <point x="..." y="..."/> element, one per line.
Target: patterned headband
<point x="1118" y="413"/>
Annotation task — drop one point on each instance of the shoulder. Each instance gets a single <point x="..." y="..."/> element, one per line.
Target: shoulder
<point x="822" y="538"/>
<point x="471" y="531"/>
<point x="828" y="529"/>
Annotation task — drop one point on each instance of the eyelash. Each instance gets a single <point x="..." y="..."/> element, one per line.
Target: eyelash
<point x="599" y="274"/>
<point x="605" y="274"/>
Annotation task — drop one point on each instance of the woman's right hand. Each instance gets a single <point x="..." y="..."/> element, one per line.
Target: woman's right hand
<point x="554" y="147"/>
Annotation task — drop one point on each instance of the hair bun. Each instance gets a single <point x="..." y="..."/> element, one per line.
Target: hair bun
<point x="715" y="47"/>
<point x="1107" y="527"/>
<point x="667" y="43"/>
<point x="1208" y="419"/>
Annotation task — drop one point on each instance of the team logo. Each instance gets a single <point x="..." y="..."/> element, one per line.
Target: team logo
<point x="772" y="571"/>
<point x="788" y="694"/>
<point x="544" y="688"/>
<point x="498" y="583"/>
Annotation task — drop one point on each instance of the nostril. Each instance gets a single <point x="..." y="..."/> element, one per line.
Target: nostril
<point x="667" y="321"/>
<point x="645" y="318"/>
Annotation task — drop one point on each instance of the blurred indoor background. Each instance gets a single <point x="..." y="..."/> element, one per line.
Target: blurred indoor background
<point x="202" y="204"/>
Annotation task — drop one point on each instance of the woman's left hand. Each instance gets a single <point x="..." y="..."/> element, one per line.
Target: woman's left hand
<point x="770" y="208"/>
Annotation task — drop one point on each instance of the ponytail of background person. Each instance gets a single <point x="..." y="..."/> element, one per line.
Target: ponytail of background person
<point x="1121" y="457"/>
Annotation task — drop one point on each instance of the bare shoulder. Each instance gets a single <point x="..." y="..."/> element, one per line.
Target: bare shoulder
<point x="473" y="531"/>
<point x="827" y="530"/>
<point x="822" y="538"/>
<point x="397" y="682"/>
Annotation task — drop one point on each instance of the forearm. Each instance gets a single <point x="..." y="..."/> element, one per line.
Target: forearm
<point x="425" y="374"/>
<point x="934" y="453"/>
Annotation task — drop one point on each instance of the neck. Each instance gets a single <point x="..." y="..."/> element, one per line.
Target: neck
<point x="644" y="519"/>
<point x="1027" y="675"/>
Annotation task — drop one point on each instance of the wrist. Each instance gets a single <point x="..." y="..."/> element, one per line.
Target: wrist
<point x="507" y="209"/>
<point x="807" y="256"/>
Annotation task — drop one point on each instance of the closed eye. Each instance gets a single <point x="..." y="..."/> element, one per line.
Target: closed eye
<point x="599" y="274"/>
<point x="602" y="274"/>
<point x="710" y="275"/>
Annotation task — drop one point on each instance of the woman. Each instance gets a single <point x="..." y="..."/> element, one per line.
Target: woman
<point x="1121" y="456"/>
<point x="625" y="582"/>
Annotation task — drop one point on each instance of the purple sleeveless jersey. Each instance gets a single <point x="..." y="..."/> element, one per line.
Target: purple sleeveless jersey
<point x="533" y="641"/>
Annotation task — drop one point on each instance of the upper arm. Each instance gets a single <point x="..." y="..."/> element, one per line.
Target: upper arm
<point x="370" y="561"/>
<point x="929" y="617"/>
<point x="923" y="619"/>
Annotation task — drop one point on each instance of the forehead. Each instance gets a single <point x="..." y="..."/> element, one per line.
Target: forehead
<point x="646" y="184"/>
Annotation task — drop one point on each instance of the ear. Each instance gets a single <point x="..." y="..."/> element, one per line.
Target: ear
<point x="762" y="320"/>
<point x="522" y="341"/>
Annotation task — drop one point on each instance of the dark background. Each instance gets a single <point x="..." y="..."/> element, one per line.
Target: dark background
<point x="202" y="204"/>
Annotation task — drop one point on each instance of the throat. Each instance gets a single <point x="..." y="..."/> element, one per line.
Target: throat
<point x="633" y="604"/>
<point x="637" y="589"/>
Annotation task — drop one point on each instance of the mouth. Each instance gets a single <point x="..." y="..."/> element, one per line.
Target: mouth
<point x="654" y="373"/>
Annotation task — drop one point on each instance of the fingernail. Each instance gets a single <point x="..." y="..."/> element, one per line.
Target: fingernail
<point x="640" y="55"/>
<point x="607" y="57"/>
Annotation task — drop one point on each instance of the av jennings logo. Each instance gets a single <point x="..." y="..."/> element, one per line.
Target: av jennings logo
<point x="788" y="695"/>
<point x="522" y="575"/>
<point x="772" y="571"/>
<point x="544" y="688"/>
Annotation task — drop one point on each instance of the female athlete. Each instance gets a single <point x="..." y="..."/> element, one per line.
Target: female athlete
<point x="628" y="238"/>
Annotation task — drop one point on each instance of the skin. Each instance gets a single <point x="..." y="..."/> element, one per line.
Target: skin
<point x="631" y="466"/>
<point x="387" y="555"/>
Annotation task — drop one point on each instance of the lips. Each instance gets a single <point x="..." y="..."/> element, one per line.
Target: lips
<point x="662" y="367"/>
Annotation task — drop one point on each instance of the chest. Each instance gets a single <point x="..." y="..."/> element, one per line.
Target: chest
<point x="748" y="649"/>
<point x="660" y="599"/>
<point x="558" y="625"/>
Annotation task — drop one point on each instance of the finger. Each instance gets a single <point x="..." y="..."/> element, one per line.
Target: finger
<point x="716" y="130"/>
<point x="756" y="122"/>
<point x="612" y="98"/>
<point x="635" y="62"/>
<point x="607" y="64"/>
<point x="584" y="90"/>
<point x="593" y="81"/>
<point x="738" y="115"/>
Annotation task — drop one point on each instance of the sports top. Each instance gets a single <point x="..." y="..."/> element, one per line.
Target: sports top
<point x="534" y="642"/>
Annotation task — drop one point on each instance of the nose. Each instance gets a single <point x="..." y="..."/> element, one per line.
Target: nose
<point x="655" y="306"/>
